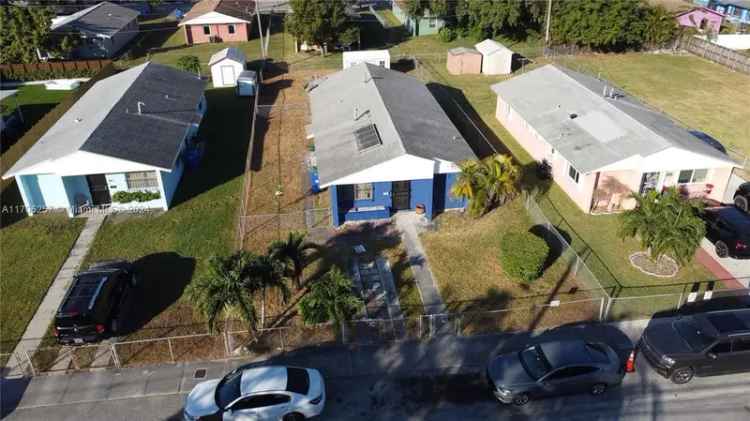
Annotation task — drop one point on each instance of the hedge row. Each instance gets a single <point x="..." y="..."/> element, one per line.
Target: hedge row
<point x="135" y="196"/>
<point x="33" y="134"/>
<point x="44" y="74"/>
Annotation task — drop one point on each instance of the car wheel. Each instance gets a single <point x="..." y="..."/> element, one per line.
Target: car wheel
<point x="598" y="389"/>
<point x="521" y="400"/>
<point x="722" y="250"/>
<point x="682" y="375"/>
<point x="741" y="202"/>
<point x="294" y="416"/>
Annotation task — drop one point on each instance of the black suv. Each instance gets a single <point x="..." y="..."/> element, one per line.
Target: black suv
<point x="91" y="308"/>
<point x="742" y="197"/>
<point x="729" y="230"/>
<point x="704" y="344"/>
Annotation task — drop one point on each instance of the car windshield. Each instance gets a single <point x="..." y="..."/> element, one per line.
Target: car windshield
<point x="228" y="389"/>
<point x="695" y="337"/>
<point x="534" y="362"/>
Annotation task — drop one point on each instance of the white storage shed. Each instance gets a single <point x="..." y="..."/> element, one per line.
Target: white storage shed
<point x="226" y="66"/>
<point x="380" y="58"/>
<point x="496" y="58"/>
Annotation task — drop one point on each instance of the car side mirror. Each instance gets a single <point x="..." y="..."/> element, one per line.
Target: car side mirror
<point x="712" y="355"/>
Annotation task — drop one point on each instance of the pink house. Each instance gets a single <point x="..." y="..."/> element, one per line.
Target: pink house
<point x="701" y="18"/>
<point x="602" y="144"/>
<point x="218" y="21"/>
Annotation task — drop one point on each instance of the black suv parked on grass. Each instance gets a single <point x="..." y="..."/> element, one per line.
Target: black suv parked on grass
<point x="703" y="344"/>
<point x="729" y="230"/>
<point x="91" y="308"/>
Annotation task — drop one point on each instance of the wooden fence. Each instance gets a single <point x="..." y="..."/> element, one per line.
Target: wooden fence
<point x="716" y="53"/>
<point x="55" y="65"/>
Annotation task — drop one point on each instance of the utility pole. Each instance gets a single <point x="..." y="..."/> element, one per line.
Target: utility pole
<point x="549" y="20"/>
<point x="260" y="31"/>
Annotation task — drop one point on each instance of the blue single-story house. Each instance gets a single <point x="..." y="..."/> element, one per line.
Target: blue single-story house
<point x="127" y="133"/>
<point x="383" y="144"/>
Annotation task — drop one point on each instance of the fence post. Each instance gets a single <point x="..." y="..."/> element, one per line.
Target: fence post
<point x="458" y="324"/>
<point x="281" y="339"/>
<point x="601" y="310"/>
<point x="115" y="357"/>
<point x="171" y="351"/>
<point x="606" y="310"/>
<point x="30" y="361"/>
<point x="227" y="352"/>
<point x="679" y="301"/>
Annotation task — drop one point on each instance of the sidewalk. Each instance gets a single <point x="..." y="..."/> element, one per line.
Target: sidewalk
<point x="441" y="355"/>
<point x="407" y="223"/>
<point x="44" y="315"/>
<point x="734" y="272"/>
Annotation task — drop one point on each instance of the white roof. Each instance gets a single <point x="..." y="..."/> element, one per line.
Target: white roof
<point x="62" y="20"/>
<point x="263" y="379"/>
<point x="489" y="47"/>
<point x="362" y="54"/>
<point x="231" y="53"/>
<point x="213" y="18"/>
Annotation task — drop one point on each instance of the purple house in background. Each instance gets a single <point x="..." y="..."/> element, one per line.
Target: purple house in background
<point x="701" y="18"/>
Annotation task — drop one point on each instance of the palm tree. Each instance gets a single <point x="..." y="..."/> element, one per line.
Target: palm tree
<point x="665" y="223"/>
<point x="263" y="273"/>
<point x="222" y="291"/>
<point x="189" y="64"/>
<point x="330" y="298"/>
<point x="292" y="252"/>
<point x="487" y="182"/>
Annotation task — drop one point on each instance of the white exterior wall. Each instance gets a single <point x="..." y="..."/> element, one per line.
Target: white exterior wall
<point x="224" y="73"/>
<point x="498" y="63"/>
<point x="374" y="57"/>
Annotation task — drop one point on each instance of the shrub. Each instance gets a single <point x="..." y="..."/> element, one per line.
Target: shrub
<point x="446" y="34"/>
<point x="522" y="255"/>
<point x="137" y="196"/>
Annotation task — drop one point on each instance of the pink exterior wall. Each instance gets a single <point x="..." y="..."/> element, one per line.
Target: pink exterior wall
<point x="194" y="33"/>
<point x="582" y="192"/>
<point x="464" y="64"/>
<point x="696" y="16"/>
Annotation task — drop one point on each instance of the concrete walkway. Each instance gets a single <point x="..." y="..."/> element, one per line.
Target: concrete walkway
<point x="44" y="315"/>
<point x="725" y="268"/>
<point x="409" y="224"/>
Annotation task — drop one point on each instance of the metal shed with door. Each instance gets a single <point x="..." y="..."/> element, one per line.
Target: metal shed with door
<point x="496" y="58"/>
<point x="226" y="66"/>
<point x="464" y="61"/>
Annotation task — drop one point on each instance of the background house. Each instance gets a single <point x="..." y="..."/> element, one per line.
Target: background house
<point x="701" y="18"/>
<point x="736" y="11"/>
<point x="104" y="29"/>
<point x="464" y="61"/>
<point x="218" y="21"/>
<point x="125" y="134"/>
<point x="428" y="24"/>
<point x="496" y="58"/>
<point x="603" y="144"/>
<point x="376" y="57"/>
<point x="226" y="66"/>
<point x="383" y="144"/>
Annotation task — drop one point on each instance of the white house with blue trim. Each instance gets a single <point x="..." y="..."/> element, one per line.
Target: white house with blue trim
<point x="127" y="133"/>
<point x="383" y="144"/>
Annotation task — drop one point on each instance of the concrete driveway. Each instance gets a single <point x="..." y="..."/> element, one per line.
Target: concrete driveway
<point x="738" y="269"/>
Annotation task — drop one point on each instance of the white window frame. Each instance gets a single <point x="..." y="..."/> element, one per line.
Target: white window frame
<point x="142" y="180"/>
<point x="692" y="179"/>
<point x="364" y="191"/>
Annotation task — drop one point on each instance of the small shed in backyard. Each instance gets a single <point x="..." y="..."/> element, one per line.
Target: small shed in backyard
<point x="496" y="58"/>
<point x="464" y="61"/>
<point x="226" y="66"/>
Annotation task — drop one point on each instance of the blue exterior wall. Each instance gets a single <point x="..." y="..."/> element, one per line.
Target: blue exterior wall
<point x="76" y="185"/>
<point x="421" y="193"/>
<point x="347" y="210"/>
<point x="170" y="180"/>
<point x="443" y="199"/>
<point x="31" y="192"/>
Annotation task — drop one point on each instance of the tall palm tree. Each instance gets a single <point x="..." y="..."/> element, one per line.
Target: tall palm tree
<point x="486" y="183"/>
<point x="330" y="298"/>
<point x="222" y="291"/>
<point x="665" y="224"/>
<point x="263" y="273"/>
<point x="292" y="252"/>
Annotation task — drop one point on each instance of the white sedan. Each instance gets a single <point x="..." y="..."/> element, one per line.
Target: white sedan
<point x="257" y="394"/>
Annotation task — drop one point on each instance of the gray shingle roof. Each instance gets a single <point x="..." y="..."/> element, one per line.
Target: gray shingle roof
<point x="105" y="119"/>
<point x="568" y="109"/>
<point x="407" y="117"/>
<point x="232" y="53"/>
<point x="103" y="18"/>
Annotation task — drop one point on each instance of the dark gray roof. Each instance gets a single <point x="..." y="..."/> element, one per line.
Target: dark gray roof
<point x="591" y="130"/>
<point x="407" y="117"/>
<point x="105" y="119"/>
<point x="103" y="18"/>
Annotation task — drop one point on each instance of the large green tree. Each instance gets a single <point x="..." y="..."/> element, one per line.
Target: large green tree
<point x="26" y="31"/>
<point x="486" y="183"/>
<point x="489" y="18"/>
<point x="318" y="22"/>
<point x="330" y="298"/>
<point x="665" y="224"/>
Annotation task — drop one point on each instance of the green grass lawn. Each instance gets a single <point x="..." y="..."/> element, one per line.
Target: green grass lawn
<point x="33" y="100"/>
<point x="32" y="251"/>
<point x="172" y="247"/>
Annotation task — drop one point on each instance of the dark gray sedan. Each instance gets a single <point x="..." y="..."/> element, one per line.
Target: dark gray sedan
<point x="554" y="368"/>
